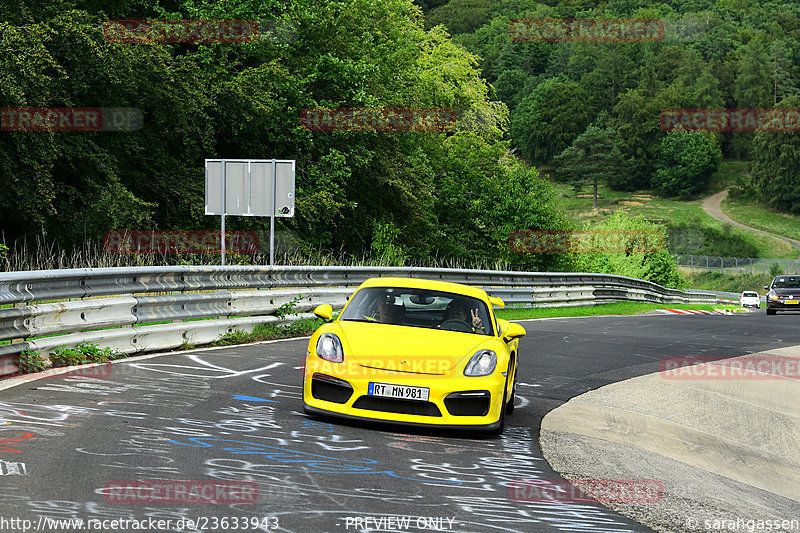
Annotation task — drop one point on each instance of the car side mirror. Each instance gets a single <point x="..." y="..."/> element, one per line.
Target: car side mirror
<point x="503" y="325"/>
<point x="498" y="302"/>
<point x="324" y="311"/>
<point x="514" y="331"/>
<point x="766" y="288"/>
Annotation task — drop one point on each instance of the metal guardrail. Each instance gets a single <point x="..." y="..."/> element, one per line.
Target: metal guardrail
<point x="116" y="307"/>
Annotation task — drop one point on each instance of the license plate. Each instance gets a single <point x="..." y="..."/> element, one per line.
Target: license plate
<point x="388" y="390"/>
<point x="791" y="301"/>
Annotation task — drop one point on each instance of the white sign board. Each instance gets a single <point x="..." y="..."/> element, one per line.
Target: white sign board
<point x="250" y="187"/>
<point x="245" y="186"/>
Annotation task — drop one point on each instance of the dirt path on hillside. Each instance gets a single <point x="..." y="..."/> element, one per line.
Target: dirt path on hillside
<point x="713" y="208"/>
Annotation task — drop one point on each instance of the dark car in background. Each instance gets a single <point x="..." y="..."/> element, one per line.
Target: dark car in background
<point x="783" y="295"/>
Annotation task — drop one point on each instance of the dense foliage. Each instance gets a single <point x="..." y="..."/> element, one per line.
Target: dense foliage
<point x="713" y="54"/>
<point x="695" y="238"/>
<point x="586" y="112"/>
<point x="776" y="165"/>
<point x="405" y="195"/>
<point x="658" y="265"/>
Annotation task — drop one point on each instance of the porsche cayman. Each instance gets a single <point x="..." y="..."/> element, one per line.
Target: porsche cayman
<point x="417" y="352"/>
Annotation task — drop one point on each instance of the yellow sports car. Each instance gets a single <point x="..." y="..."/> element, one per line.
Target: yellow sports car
<point x="414" y="351"/>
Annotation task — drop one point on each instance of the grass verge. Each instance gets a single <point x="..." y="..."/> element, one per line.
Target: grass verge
<point x="762" y="217"/>
<point x="618" y="308"/>
<point x="715" y="281"/>
<point x="646" y="205"/>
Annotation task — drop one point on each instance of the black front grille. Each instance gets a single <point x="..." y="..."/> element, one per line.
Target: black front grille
<point x="392" y="405"/>
<point x="330" y="389"/>
<point x="468" y="403"/>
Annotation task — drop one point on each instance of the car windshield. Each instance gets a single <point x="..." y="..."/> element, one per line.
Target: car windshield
<point x="749" y="295"/>
<point x="786" y="282"/>
<point x="420" y="308"/>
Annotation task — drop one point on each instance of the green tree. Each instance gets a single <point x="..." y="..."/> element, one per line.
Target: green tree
<point x="482" y="203"/>
<point x="706" y="92"/>
<point x="783" y="82"/>
<point x="775" y="165"/>
<point x="753" y="86"/>
<point x="638" y="126"/>
<point x="613" y="73"/>
<point x="593" y="157"/>
<point x="460" y="16"/>
<point x="686" y="163"/>
<point x="547" y="120"/>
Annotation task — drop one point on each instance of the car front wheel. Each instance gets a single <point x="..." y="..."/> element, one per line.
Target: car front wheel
<point x="512" y="398"/>
<point x="499" y="429"/>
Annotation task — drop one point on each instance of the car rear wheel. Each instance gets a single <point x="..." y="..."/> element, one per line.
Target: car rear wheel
<point x="513" y="397"/>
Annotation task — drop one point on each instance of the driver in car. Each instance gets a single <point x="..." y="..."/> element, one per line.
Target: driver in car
<point x="457" y="311"/>
<point x="389" y="313"/>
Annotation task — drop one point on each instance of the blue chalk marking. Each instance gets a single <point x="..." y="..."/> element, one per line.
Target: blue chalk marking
<point x="252" y="399"/>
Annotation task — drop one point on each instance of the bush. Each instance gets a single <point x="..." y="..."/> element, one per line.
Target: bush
<point x="657" y="266"/>
<point x="385" y="247"/>
<point x="30" y="362"/>
<point x="696" y="238"/>
<point x="95" y="354"/>
<point x="67" y="357"/>
<point x="83" y="353"/>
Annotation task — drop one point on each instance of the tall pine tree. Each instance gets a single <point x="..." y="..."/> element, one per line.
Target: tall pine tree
<point x="593" y="157"/>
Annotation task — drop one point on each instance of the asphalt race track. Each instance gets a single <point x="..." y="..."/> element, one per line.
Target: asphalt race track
<point x="235" y="414"/>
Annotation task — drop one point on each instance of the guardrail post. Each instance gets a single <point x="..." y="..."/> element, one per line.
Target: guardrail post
<point x="721" y="265"/>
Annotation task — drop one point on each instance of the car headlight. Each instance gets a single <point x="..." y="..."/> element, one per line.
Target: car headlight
<point x="481" y="364"/>
<point x="772" y="296"/>
<point x="329" y="347"/>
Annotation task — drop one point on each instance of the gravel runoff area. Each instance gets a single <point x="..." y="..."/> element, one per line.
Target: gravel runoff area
<point x="725" y="448"/>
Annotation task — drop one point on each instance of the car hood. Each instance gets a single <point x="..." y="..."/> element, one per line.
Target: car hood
<point x="787" y="292"/>
<point x="398" y="347"/>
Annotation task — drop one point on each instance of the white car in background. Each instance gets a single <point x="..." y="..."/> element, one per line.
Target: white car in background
<point x="750" y="299"/>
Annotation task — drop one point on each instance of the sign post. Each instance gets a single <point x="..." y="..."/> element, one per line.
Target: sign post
<point x="250" y="187"/>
